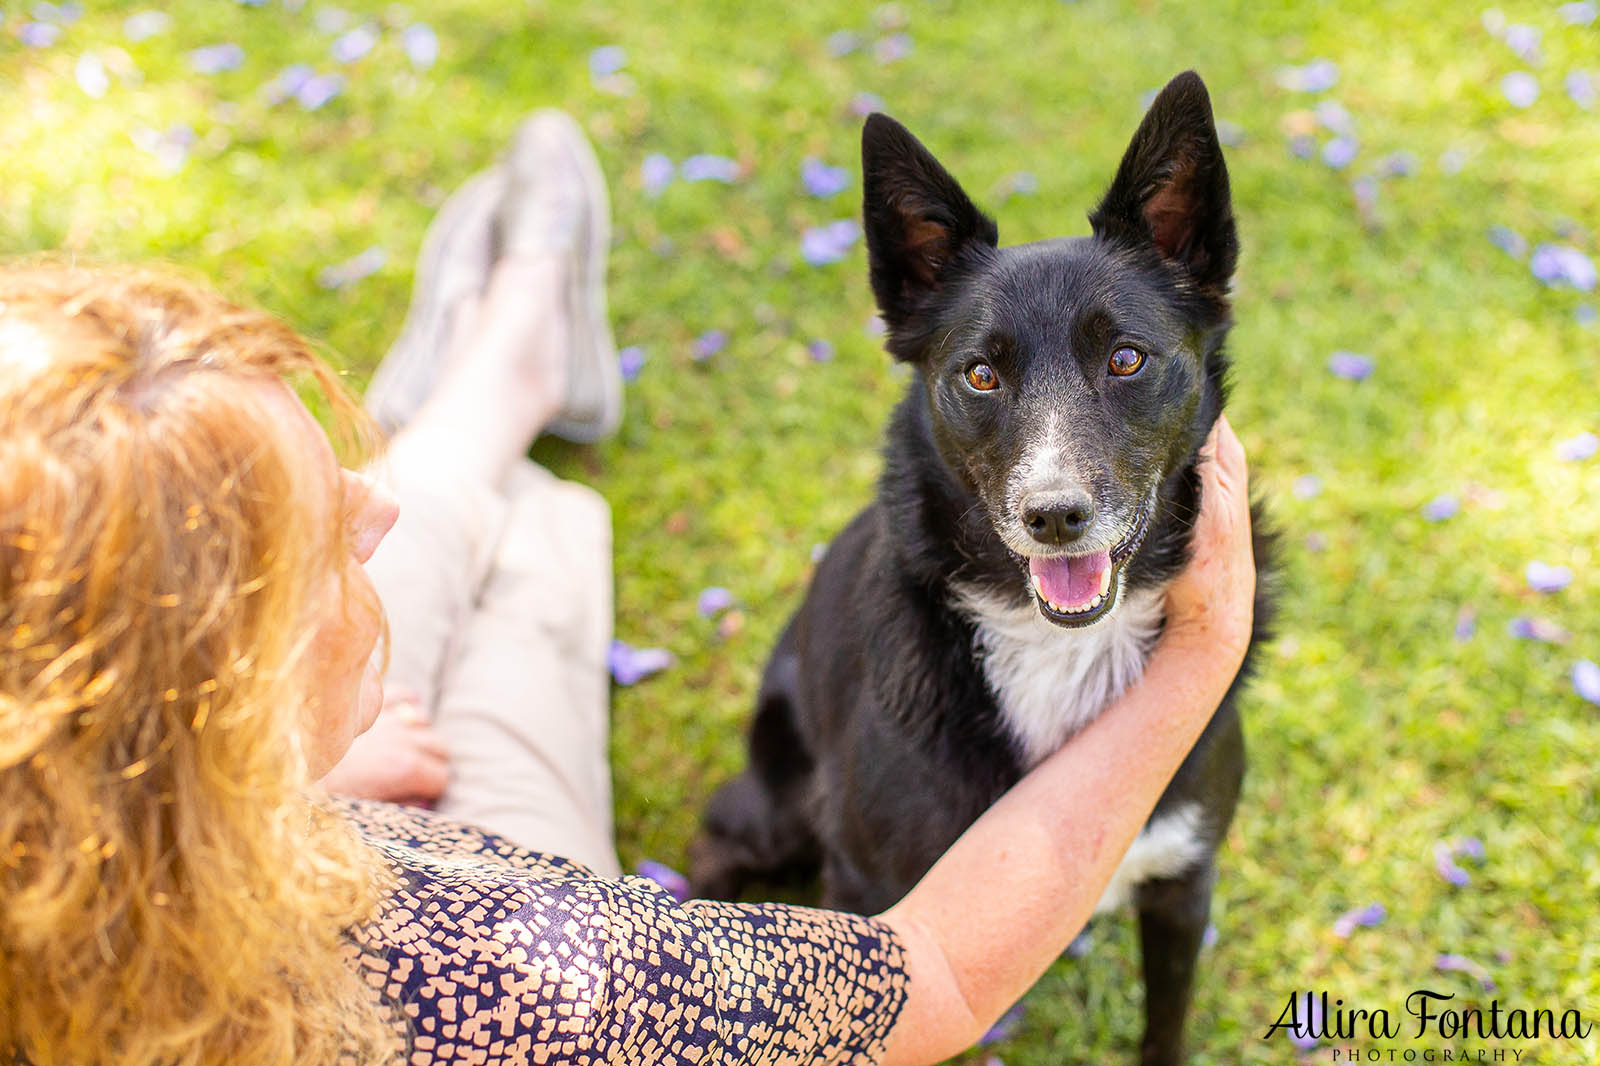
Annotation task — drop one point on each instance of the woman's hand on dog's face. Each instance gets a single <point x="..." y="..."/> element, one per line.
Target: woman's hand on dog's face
<point x="1211" y="605"/>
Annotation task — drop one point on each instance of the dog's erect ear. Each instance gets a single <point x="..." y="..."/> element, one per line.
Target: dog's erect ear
<point x="1172" y="187"/>
<point x="919" y="222"/>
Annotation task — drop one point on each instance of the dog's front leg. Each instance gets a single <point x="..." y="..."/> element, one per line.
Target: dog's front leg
<point x="1173" y="913"/>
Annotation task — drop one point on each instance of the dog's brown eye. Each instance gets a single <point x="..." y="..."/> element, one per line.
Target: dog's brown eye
<point x="1125" y="362"/>
<point x="982" y="377"/>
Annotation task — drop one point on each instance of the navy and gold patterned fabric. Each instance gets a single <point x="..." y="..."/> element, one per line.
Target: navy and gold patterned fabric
<point x="489" y="954"/>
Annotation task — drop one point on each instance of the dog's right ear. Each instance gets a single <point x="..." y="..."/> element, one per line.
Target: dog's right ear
<point x="921" y="227"/>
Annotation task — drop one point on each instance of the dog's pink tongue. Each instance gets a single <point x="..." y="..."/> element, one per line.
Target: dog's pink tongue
<point x="1071" y="581"/>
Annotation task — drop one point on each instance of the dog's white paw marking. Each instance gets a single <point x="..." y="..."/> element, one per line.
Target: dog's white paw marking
<point x="1166" y="847"/>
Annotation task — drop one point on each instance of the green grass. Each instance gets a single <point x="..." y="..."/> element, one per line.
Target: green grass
<point x="1373" y="732"/>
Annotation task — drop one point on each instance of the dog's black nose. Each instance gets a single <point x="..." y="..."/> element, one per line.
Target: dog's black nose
<point x="1057" y="517"/>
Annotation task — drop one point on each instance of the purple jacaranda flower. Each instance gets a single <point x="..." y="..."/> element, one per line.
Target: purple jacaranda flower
<point x="1444" y="864"/>
<point x="665" y="876"/>
<point x="1586" y="316"/>
<point x="876" y="326"/>
<point x="864" y="104"/>
<point x="1520" y="88"/>
<point x="1340" y="152"/>
<point x="1021" y="183"/>
<point x="1466" y="623"/>
<point x="709" y="343"/>
<point x="59" y="14"/>
<point x="842" y="43"/>
<point x="355" y="44"/>
<point x="1562" y="264"/>
<point x="822" y="180"/>
<point x="607" y="60"/>
<point x="1336" y="117"/>
<point x="288" y="82"/>
<point x="216" y="58"/>
<point x="818" y="550"/>
<point x="821" y="245"/>
<point x="1005" y="1028"/>
<point x="709" y="168"/>
<point x="1462" y="964"/>
<point x="1523" y="40"/>
<point x="1454" y="160"/>
<point x="1230" y="134"/>
<point x="39" y="34"/>
<point x="1401" y="164"/>
<point x="1307" y="485"/>
<point x="656" y="173"/>
<point x="1315" y="77"/>
<point x="630" y="361"/>
<point x="170" y="147"/>
<point x="1580" y="87"/>
<point x="331" y="19"/>
<point x="820" y="350"/>
<point x="317" y="90"/>
<point x="630" y="665"/>
<point x="1472" y="848"/>
<point x="1365" y="190"/>
<point x="1360" y="918"/>
<point x="1578" y="14"/>
<point x="90" y="74"/>
<point x="1081" y="945"/>
<point x="894" y="47"/>
<point x="1576" y="449"/>
<point x="1586" y="680"/>
<point x="353" y="270"/>
<point x="1524" y="628"/>
<point x="713" y="600"/>
<point x="1302" y="146"/>
<point x="1508" y="241"/>
<point x="1542" y="577"/>
<point x="1443" y="506"/>
<point x="889" y="17"/>
<point x="1209" y="938"/>
<point x="1352" y="366"/>
<point x="145" y="24"/>
<point x="1308" y="1020"/>
<point x="421" y="45"/>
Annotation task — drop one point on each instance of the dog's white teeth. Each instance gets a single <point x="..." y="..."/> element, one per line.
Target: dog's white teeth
<point x="1038" y="585"/>
<point x="1105" y="581"/>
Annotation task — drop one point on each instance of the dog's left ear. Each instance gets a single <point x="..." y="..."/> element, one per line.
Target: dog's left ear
<point x="1172" y="187"/>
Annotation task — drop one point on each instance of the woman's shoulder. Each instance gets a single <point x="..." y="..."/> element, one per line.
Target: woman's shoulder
<point x="420" y="840"/>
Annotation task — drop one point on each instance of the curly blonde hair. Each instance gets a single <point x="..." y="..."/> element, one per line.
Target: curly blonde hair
<point x="170" y="890"/>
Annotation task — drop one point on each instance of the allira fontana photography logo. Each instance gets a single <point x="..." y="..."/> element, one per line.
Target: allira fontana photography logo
<point x="1451" y="1031"/>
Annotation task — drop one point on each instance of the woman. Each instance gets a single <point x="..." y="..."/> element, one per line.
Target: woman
<point x="186" y="638"/>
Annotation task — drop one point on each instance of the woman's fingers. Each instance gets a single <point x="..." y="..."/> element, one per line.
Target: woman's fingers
<point x="1213" y="598"/>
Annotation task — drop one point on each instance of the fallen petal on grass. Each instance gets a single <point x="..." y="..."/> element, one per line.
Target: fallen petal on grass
<point x="1307" y="486"/>
<point x="709" y="343"/>
<point x="1308" y="1020"/>
<point x="630" y="665"/>
<point x="607" y="60"/>
<point x="145" y="25"/>
<point x="1441" y="507"/>
<point x="821" y="245"/>
<point x="318" y="90"/>
<point x="353" y="270"/>
<point x="1586" y="680"/>
<point x="842" y="42"/>
<point x="1520" y="88"/>
<point x="1352" y="366"/>
<point x="665" y="876"/>
<point x="1360" y="918"/>
<point x="355" y="44"/>
<point x="1462" y="964"/>
<point x="709" y="168"/>
<point x="1444" y="864"/>
<point x="1466" y="623"/>
<point x="630" y="361"/>
<point x="216" y="58"/>
<point x="864" y="104"/>
<point x="656" y="173"/>
<point x="822" y="180"/>
<point x="712" y="600"/>
<point x="421" y="45"/>
<point x="39" y="34"/>
<point x="1542" y="577"/>
<point x="1316" y="76"/>
<point x="820" y="351"/>
<point x="1508" y="241"/>
<point x="1525" y="628"/>
<point x="1580" y="88"/>
<point x="1560" y="265"/>
<point x="1578" y="14"/>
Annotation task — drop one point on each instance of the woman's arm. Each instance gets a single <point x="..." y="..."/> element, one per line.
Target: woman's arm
<point x="1009" y="895"/>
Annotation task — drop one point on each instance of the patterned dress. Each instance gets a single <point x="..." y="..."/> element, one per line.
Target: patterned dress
<point x="489" y="954"/>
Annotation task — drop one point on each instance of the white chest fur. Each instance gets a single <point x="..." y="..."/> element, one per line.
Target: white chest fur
<point x="1050" y="682"/>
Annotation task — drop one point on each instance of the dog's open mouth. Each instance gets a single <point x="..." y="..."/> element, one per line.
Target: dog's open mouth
<point x="1078" y="590"/>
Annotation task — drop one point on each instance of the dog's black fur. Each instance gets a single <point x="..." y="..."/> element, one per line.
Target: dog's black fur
<point x="878" y="737"/>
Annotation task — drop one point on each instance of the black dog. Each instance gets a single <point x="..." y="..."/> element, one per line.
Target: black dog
<point x="1039" y="491"/>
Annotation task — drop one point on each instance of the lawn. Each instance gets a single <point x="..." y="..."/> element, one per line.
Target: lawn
<point x="1420" y="692"/>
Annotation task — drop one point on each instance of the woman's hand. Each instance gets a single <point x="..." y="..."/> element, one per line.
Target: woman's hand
<point x="1211" y="604"/>
<point x="399" y="760"/>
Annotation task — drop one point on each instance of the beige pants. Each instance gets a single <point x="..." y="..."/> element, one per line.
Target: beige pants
<point x="500" y="613"/>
